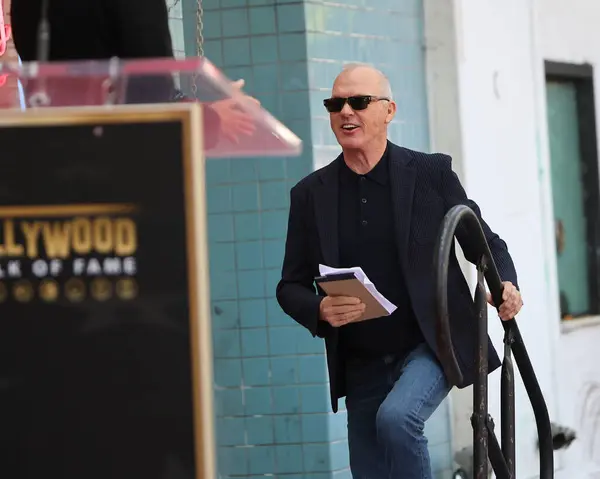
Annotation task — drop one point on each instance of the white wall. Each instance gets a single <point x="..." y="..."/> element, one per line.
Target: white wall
<point x="503" y="162"/>
<point x="499" y="83"/>
<point x="568" y="32"/>
<point x="486" y="82"/>
<point x="579" y="399"/>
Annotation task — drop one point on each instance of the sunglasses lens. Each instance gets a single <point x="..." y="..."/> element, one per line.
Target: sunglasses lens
<point x="334" y="105"/>
<point x="359" y="102"/>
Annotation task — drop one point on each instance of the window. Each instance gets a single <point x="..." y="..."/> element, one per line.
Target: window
<point x="575" y="186"/>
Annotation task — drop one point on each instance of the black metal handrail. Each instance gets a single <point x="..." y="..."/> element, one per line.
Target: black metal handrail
<point x="486" y="444"/>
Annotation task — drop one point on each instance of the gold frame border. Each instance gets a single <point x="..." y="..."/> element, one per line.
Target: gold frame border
<point x="65" y="210"/>
<point x="190" y="117"/>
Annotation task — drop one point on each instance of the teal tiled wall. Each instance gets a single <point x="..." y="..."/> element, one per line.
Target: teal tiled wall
<point x="273" y="413"/>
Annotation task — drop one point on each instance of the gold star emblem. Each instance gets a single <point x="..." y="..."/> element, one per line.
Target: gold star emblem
<point x="49" y="290"/>
<point x="101" y="289"/>
<point x="75" y="290"/>
<point x="22" y="291"/>
<point x="126" y="288"/>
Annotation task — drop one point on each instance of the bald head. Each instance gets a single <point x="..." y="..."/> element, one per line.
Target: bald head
<point x="360" y="120"/>
<point x="366" y="76"/>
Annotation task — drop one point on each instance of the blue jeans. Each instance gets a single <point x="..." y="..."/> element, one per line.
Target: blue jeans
<point x="388" y="401"/>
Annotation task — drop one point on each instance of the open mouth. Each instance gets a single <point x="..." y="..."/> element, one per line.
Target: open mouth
<point x="349" y="127"/>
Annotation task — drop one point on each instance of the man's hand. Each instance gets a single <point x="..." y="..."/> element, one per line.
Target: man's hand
<point x="511" y="301"/>
<point x="341" y="310"/>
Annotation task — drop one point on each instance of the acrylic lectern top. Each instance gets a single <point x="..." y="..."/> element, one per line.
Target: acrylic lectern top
<point x="234" y="123"/>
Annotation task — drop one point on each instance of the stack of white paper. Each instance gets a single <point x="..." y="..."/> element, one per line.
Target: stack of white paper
<point x="362" y="277"/>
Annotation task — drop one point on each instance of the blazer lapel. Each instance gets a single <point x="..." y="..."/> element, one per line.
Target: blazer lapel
<point x="402" y="178"/>
<point x="326" y="213"/>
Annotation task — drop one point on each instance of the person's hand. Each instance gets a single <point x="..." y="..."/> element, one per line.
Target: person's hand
<point x="341" y="310"/>
<point x="234" y="121"/>
<point x="238" y="85"/>
<point x="511" y="301"/>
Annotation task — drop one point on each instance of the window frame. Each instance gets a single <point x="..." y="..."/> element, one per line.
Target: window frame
<point x="582" y="76"/>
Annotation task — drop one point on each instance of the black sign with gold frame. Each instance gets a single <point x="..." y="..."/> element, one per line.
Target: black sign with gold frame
<point x="105" y="343"/>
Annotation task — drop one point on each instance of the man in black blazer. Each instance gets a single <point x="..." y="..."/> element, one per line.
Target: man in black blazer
<point x="380" y="206"/>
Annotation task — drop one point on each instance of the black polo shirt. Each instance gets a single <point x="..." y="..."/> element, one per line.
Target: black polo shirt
<point x="368" y="240"/>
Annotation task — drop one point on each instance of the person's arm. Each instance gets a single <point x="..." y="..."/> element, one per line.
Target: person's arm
<point x="296" y="292"/>
<point x="454" y="194"/>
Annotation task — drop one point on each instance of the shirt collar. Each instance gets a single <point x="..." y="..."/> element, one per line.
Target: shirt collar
<point x="379" y="174"/>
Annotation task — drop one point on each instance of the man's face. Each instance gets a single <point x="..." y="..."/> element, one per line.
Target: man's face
<point x="357" y="129"/>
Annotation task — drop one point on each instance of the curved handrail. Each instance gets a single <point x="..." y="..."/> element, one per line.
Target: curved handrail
<point x="463" y="215"/>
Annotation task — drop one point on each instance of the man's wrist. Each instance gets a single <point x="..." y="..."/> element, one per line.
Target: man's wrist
<point x="320" y="315"/>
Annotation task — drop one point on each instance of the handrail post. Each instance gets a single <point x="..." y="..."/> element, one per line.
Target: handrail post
<point x="538" y="404"/>
<point x="480" y="393"/>
<point x="507" y="404"/>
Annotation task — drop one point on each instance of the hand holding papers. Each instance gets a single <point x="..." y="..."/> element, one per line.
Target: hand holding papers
<point x="354" y="282"/>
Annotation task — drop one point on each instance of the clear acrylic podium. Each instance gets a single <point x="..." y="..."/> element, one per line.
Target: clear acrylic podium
<point x="105" y="329"/>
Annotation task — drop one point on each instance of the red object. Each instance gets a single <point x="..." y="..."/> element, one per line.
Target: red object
<point x="5" y="32"/>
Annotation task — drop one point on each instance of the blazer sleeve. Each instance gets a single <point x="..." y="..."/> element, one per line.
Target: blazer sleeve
<point x="454" y="194"/>
<point x="296" y="292"/>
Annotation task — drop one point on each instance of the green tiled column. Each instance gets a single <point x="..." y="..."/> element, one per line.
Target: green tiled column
<point x="273" y="412"/>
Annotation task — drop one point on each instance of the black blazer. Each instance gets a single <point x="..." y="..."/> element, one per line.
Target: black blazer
<point x="424" y="188"/>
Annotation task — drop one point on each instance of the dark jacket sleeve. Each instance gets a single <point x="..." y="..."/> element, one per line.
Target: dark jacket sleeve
<point x="296" y="292"/>
<point x="454" y="194"/>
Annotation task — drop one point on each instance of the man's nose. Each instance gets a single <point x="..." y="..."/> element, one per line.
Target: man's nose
<point x="347" y="110"/>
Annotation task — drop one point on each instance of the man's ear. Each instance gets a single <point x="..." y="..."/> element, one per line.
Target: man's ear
<point x="391" y="113"/>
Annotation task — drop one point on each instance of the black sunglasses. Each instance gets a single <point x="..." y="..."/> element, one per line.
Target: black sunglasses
<point x="335" y="105"/>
